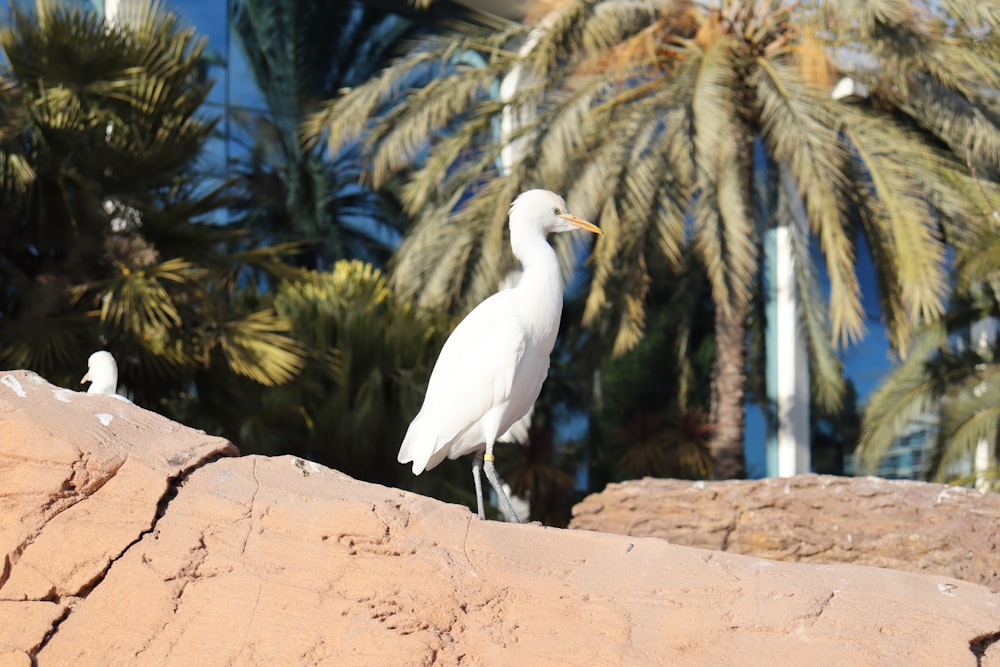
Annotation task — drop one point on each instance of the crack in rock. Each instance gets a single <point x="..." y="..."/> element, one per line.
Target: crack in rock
<point x="33" y="655"/>
<point x="174" y="483"/>
<point x="249" y="515"/>
<point x="5" y="570"/>
<point x="72" y="493"/>
<point x="465" y="547"/>
<point x="731" y="528"/>
<point x="812" y="618"/>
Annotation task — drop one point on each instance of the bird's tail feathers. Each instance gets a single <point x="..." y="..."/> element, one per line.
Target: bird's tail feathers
<point x="408" y="451"/>
<point x="424" y="447"/>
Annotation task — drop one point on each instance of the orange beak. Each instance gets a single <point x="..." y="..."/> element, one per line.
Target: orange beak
<point x="580" y="223"/>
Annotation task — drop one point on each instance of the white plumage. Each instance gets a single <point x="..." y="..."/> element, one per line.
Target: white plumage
<point x="491" y="368"/>
<point x="102" y="374"/>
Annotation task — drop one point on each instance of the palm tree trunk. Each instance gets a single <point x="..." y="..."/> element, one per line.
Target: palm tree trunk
<point x="729" y="373"/>
<point x="728" y="385"/>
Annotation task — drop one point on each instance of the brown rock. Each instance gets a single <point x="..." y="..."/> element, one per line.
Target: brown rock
<point x="280" y="561"/>
<point x="80" y="479"/>
<point x="912" y="526"/>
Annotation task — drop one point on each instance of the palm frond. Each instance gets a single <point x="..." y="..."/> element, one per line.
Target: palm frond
<point x="984" y="480"/>
<point x="915" y="243"/>
<point x="907" y="392"/>
<point x="258" y="347"/>
<point x="403" y="133"/>
<point x="723" y="236"/>
<point x="981" y="263"/>
<point x="723" y="233"/>
<point x="139" y="302"/>
<point x="16" y="173"/>
<point x="344" y="118"/>
<point x="971" y="414"/>
<point x="800" y="132"/>
<point x="826" y="370"/>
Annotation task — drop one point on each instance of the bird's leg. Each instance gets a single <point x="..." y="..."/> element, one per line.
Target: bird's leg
<point x="477" y="465"/>
<point x="491" y="474"/>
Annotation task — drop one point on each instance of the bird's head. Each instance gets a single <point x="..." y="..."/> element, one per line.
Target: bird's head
<point x="101" y="369"/>
<point x="546" y="211"/>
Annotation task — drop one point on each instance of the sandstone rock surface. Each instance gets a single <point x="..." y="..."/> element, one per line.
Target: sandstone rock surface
<point x="912" y="526"/>
<point x="129" y="539"/>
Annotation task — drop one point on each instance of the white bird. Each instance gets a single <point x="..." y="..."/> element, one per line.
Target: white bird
<point x="491" y="368"/>
<point x="102" y="374"/>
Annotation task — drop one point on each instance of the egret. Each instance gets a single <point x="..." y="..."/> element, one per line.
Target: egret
<point x="102" y="374"/>
<point x="491" y="368"/>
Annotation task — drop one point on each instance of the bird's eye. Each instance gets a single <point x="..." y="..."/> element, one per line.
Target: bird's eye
<point x="557" y="211"/>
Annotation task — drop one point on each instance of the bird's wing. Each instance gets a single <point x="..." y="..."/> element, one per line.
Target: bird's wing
<point x="473" y="374"/>
<point x="478" y="361"/>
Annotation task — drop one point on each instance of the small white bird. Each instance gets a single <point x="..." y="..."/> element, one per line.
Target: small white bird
<point x="102" y="374"/>
<point x="492" y="367"/>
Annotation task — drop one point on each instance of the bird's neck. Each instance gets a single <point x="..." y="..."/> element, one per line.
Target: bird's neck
<point x="533" y="250"/>
<point x="104" y="386"/>
<point x="540" y="284"/>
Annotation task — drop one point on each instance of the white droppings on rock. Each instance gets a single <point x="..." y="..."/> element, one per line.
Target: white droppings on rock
<point x="947" y="589"/>
<point x="307" y="467"/>
<point x="104" y="418"/>
<point x="12" y="382"/>
<point x="63" y="394"/>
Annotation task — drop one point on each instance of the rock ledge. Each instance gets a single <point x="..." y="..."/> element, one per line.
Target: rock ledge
<point x="129" y="539"/>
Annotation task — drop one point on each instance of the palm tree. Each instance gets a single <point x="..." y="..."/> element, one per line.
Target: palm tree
<point x="368" y="361"/>
<point x="953" y="369"/>
<point x="11" y="109"/>
<point x="660" y="118"/>
<point x="17" y="174"/>
<point x="639" y="424"/>
<point x="300" y="53"/>
<point x="105" y="234"/>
